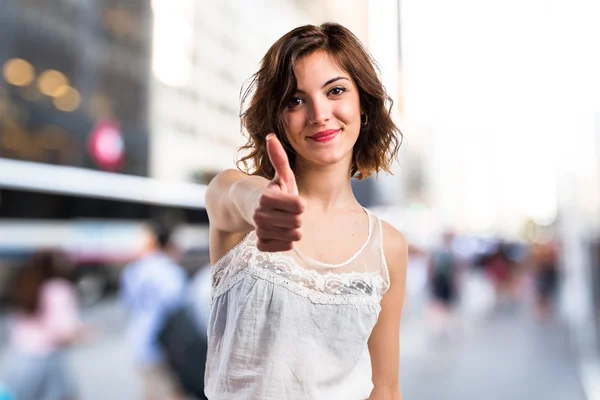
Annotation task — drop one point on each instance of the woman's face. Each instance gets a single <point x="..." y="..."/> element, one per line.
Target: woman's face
<point x="322" y="121"/>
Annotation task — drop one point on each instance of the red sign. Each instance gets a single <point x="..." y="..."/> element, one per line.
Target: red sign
<point x="106" y="145"/>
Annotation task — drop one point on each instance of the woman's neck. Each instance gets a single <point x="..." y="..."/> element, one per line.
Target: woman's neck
<point x="325" y="187"/>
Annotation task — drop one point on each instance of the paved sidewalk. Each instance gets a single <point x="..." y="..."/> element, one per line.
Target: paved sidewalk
<point x="507" y="355"/>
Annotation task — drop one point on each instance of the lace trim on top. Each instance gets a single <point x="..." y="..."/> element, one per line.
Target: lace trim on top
<point x="281" y="269"/>
<point x="294" y="287"/>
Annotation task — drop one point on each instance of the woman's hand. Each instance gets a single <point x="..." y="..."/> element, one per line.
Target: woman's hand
<point x="278" y="216"/>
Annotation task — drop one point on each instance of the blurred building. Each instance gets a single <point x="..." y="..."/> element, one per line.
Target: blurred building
<point x="71" y="69"/>
<point x="480" y="106"/>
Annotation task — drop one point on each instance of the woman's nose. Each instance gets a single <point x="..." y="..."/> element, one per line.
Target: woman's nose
<point x="320" y="113"/>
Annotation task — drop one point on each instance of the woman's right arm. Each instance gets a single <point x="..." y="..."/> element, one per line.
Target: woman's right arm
<point x="231" y="199"/>
<point x="238" y="203"/>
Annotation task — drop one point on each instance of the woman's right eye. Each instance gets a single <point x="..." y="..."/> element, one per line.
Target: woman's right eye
<point x="295" y="102"/>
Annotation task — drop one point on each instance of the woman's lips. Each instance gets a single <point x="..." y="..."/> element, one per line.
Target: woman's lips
<point x="324" y="136"/>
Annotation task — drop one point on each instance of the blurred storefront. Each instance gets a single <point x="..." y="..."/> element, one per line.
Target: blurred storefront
<point x="75" y="83"/>
<point x="73" y="93"/>
<point x="74" y="107"/>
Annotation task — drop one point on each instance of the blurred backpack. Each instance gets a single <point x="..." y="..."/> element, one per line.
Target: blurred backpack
<point x="185" y="348"/>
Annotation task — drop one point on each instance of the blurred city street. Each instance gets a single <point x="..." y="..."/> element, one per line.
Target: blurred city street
<point x="505" y="355"/>
<point x="116" y="115"/>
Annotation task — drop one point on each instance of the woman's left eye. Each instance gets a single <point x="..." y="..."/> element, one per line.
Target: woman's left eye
<point x="336" y="91"/>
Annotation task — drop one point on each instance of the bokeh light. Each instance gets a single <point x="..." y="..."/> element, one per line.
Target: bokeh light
<point x="69" y="101"/>
<point x="18" y="72"/>
<point x="53" y="83"/>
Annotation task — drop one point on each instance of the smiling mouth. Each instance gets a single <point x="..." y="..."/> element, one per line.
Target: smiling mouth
<point x="324" y="136"/>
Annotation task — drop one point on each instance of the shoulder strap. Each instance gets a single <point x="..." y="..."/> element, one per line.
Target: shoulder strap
<point x="378" y="239"/>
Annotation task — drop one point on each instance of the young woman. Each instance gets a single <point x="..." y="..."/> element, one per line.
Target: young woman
<point x="307" y="284"/>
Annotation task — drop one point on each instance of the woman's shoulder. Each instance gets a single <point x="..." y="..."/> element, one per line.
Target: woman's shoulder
<point x="227" y="176"/>
<point x="221" y="180"/>
<point x="230" y="172"/>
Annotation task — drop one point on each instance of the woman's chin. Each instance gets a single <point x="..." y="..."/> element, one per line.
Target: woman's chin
<point x="325" y="160"/>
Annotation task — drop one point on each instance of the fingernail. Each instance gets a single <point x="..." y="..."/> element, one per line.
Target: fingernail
<point x="270" y="136"/>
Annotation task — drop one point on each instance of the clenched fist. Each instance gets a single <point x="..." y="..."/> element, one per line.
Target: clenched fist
<point x="278" y="217"/>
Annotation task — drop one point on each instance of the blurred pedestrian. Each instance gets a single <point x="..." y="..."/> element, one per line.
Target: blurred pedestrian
<point x="501" y="271"/>
<point x="416" y="281"/>
<point x="443" y="283"/>
<point x="45" y="324"/>
<point x="545" y="261"/>
<point x="308" y="285"/>
<point x="152" y="287"/>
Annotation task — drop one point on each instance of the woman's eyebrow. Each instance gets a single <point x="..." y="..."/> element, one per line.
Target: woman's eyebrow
<point x="329" y="82"/>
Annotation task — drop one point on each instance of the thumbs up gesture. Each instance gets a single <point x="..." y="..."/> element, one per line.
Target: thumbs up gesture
<point x="278" y="217"/>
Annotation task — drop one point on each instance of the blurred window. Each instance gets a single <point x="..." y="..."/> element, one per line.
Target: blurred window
<point x="173" y="55"/>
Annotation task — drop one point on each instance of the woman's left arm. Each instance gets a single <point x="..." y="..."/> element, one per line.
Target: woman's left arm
<point x="384" y="343"/>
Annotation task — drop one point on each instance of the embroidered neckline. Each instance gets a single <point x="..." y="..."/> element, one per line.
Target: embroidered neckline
<point x="357" y="287"/>
<point x="311" y="294"/>
<point x="349" y="260"/>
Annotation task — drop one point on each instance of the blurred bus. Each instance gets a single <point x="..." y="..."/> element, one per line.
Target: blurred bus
<point x="96" y="217"/>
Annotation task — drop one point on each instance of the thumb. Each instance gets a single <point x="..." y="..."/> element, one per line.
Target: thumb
<point x="280" y="162"/>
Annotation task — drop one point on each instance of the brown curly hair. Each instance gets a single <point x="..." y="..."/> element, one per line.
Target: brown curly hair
<point x="272" y="87"/>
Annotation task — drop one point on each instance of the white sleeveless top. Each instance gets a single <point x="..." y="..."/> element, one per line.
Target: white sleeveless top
<point x="285" y="326"/>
